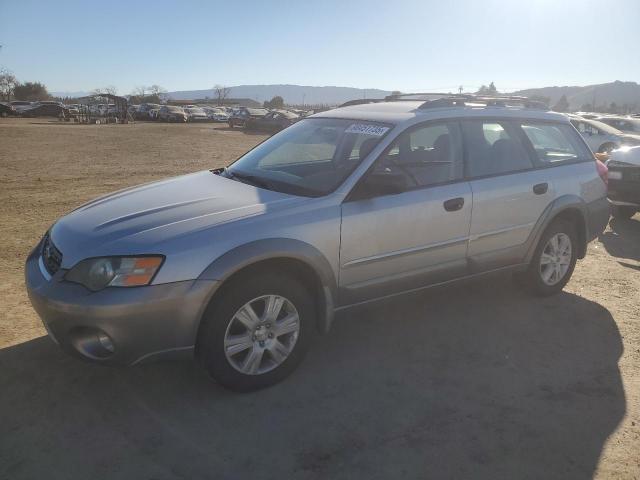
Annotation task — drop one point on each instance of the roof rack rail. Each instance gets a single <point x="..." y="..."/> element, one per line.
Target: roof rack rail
<point x="440" y="100"/>
<point x="361" y="101"/>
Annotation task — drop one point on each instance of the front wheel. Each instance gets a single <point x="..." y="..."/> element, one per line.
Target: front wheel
<point x="554" y="259"/>
<point x="256" y="332"/>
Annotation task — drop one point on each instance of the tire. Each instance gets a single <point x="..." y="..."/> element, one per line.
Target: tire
<point x="538" y="277"/>
<point x="221" y="331"/>
<point x="622" y="212"/>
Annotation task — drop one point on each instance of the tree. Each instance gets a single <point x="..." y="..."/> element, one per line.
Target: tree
<point x="140" y="92"/>
<point x="562" y="104"/>
<point x="613" y="107"/>
<point x="396" y="92"/>
<point x="275" y="102"/>
<point x="222" y="93"/>
<point x="31" y="91"/>
<point x="8" y="83"/>
<point x="491" y="90"/>
<point x="157" y="91"/>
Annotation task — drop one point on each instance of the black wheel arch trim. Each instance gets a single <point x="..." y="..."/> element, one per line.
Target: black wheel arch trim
<point x="257" y="251"/>
<point x="560" y="205"/>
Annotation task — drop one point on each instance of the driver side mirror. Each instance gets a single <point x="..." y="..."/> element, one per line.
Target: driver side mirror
<point x="378" y="184"/>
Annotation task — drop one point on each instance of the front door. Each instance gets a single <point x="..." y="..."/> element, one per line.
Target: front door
<point x="417" y="235"/>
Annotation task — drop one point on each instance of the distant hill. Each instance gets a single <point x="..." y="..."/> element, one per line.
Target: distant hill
<point x="621" y="93"/>
<point x="626" y="95"/>
<point x="292" y="94"/>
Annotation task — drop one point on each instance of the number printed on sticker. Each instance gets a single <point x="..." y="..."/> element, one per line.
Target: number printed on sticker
<point x="365" y="129"/>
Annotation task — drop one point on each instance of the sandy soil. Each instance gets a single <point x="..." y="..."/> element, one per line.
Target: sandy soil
<point x="475" y="381"/>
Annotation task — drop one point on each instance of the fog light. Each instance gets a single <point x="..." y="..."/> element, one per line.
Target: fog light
<point x="106" y="342"/>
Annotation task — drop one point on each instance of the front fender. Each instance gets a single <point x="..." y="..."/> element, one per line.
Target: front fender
<point x="280" y="248"/>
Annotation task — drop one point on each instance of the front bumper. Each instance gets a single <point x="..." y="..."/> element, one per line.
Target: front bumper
<point x="142" y="323"/>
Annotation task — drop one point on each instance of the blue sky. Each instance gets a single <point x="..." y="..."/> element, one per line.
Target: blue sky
<point x="404" y="45"/>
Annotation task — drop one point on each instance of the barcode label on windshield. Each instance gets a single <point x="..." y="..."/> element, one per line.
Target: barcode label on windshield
<point x="364" y="129"/>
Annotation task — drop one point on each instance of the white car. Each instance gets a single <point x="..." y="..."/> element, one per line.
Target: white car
<point x="217" y="114"/>
<point x="602" y="137"/>
<point x="196" y="114"/>
<point x="624" y="124"/>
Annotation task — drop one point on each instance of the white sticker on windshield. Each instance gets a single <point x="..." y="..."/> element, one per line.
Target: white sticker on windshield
<point x="367" y="129"/>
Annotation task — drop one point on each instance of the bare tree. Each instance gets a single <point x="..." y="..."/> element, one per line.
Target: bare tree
<point x="140" y="91"/>
<point x="157" y="90"/>
<point x="222" y="93"/>
<point x="8" y="84"/>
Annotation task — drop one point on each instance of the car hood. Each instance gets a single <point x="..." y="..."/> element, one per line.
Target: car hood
<point x="140" y="219"/>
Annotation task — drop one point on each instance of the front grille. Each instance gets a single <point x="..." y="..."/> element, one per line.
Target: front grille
<point x="51" y="256"/>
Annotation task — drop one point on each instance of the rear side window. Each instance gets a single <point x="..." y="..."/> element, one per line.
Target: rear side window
<point x="494" y="148"/>
<point x="553" y="143"/>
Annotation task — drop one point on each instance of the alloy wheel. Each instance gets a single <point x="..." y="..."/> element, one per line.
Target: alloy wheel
<point x="555" y="259"/>
<point x="262" y="334"/>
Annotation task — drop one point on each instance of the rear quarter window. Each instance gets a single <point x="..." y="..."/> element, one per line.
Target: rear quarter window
<point x="555" y="144"/>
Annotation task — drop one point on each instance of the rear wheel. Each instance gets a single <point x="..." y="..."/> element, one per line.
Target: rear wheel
<point x="256" y="332"/>
<point x="554" y="259"/>
<point x="622" y="212"/>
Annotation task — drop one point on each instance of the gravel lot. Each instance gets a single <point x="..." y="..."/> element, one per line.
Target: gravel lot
<point x="480" y="380"/>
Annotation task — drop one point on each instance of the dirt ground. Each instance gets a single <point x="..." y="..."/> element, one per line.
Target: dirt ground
<point x="480" y="380"/>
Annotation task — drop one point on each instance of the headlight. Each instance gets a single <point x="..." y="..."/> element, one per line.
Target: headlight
<point x="99" y="273"/>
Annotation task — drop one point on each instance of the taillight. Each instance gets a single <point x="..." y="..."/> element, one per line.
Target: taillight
<point x="602" y="171"/>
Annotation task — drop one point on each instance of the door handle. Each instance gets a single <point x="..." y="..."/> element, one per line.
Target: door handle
<point x="453" y="204"/>
<point x="541" y="188"/>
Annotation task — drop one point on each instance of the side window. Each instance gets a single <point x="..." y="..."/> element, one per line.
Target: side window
<point x="553" y="143"/>
<point x="493" y="148"/>
<point x="427" y="155"/>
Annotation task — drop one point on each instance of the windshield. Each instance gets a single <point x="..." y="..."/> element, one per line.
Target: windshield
<point x="310" y="158"/>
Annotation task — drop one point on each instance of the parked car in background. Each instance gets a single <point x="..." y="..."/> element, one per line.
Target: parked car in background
<point x="624" y="124"/>
<point x="217" y="114"/>
<point x="153" y="113"/>
<point x="46" y="110"/>
<point x="272" y="122"/>
<point x="242" y="266"/>
<point x="602" y="137"/>
<point x="240" y="116"/>
<point x="21" y="105"/>
<point x="143" y="111"/>
<point x="196" y="114"/>
<point x="624" y="182"/>
<point x="7" y="110"/>
<point x="588" y="115"/>
<point x="170" y="113"/>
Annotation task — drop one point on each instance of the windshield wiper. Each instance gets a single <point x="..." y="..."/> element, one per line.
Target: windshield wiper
<point x="250" y="179"/>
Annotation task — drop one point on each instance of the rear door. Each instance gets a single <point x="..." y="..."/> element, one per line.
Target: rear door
<point x="509" y="192"/>
<point x="392" y="242"/>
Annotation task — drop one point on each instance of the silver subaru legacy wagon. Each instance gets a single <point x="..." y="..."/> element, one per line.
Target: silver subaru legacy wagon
<point x="242" y="266"/>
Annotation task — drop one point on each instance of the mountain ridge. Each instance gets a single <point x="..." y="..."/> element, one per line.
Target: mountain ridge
<point x="622" y="93"/>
